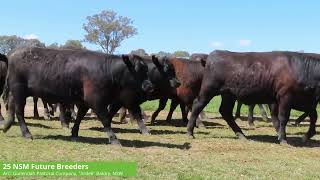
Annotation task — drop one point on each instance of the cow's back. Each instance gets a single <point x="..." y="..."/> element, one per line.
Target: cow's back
<point x="190" y="74"/>
<point x="249" y="76"/>
<point x="56" y="73"/>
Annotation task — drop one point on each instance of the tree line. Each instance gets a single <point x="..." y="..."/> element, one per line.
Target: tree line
<point x="107" y="30"/>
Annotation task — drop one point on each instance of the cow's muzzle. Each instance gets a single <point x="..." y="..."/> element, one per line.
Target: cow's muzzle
<point x="147" y="86"/>
<point x="174" y="83"/>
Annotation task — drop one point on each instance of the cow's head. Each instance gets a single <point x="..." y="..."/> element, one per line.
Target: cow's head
<point x="201" y="58"/>
<point x="167" y="70"/>
<point x="139" y="71"/>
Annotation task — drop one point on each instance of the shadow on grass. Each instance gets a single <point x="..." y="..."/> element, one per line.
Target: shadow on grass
<point x="57" y="118"/>
<point x="152" y="131"/>
<point x="173" y="123"/>
<point x="180" y="123"/>
<point x="293" y="141"/>
<point x="39" y="125"/>
<point x="31" y="125"/>
<point x="124" y="143"/>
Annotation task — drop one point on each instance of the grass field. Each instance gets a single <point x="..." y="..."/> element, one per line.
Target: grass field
<point x="168" y="153"/>
<point x="213" y="107"/>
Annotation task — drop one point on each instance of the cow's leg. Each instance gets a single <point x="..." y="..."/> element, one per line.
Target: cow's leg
<point x="35" y="108"/>
<point x="73" y="112"/>
<point x="225" y="110"/>
<point x="203" y="115"/>
<point x="173" y="106"/>
<point x="198" y="105"/>
<point x="11" y="114"/>
<point x="162" y="105"/>
<point x="82" y="111"/>
<point x="106" y="117"/>
<point x="263" y="112"/>
<point x="274" y="116"/>
<point x="145" y="117"/>
<point x="65" y="115"/>
<point x="283" y="116"/>
<point x="51" y="109"/>
<point x="184" y="112"/>
<point x="135" y="111"/>
<point x="1" y="117"/>
<point x="300" y="119"/>
<point x="199" y="122"/>
<point x="250" y="115"/>
<point x="237" y="115"/>
<point x="46" y="114"/>
<point x="312" y="127"/>
<point x="20" y="102"/>
<point x="122" y="115"/>
<point x="54" y="108"/>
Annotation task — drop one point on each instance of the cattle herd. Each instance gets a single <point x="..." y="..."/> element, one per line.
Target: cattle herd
<point x="105" y="83"/>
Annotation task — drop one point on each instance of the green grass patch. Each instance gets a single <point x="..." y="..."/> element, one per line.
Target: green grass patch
<point x="213" y="107"/>
<point x="169" y="154"/>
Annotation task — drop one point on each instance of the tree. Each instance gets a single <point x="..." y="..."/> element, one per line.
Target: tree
<point x="183" y="54"/>
<point x="53" y="46"/>
<point x="9" y="43"/>
<point x="31" y="43"/>
<point x="108" y="30"/>
<point x="162" y="54"/>
<point x="139" y="52"/>
<point x="72" y="44"/>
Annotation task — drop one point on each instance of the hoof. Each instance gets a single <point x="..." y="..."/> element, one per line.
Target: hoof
<point x="6" y="126"/>
<point x="145" y="132"/>
<point x="28" y="136"/>
<point x="284" y="142"/>
<point x="115" y="142"/>
<point x="190" y="135"/>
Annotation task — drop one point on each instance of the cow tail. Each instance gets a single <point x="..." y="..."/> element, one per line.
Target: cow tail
<point x="4" y="89"/>
<point x="4" y="58"/>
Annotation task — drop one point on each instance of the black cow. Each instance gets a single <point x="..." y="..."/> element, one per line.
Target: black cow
<point x="287" y="79"/>
<point x="86" y="78"/>
<point x="3" y="74"/>
<point x="161" y="73"/>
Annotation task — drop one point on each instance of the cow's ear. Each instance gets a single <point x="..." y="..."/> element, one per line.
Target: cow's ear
<point x="126" y="60"/>
<point x="155" y="60"/>
<point x="203" y="62"/>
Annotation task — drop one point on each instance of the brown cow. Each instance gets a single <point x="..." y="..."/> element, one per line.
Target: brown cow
<point x="189" y="73"/>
